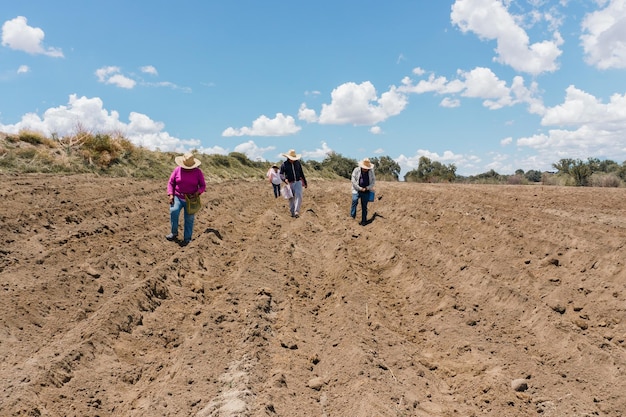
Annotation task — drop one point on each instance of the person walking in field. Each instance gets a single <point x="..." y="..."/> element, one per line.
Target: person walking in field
<point x="184" y="187"/>
<point x="363" y="181"/>
<point x="273" y="175"/>
<point x="291" y="172"/>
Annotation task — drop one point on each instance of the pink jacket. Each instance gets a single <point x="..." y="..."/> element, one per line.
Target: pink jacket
<point x="186" y="181"/>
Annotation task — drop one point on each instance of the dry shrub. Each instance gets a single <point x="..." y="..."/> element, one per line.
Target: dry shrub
<point x="557" y="180"/>
<point x="26" y="153"/>
<point x="605" y="180"/>
<point x="31" y="136"/>
<point x="516" y="180"/>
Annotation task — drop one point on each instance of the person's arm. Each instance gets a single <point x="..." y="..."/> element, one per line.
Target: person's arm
<point x="201" y="182"/>
<point x="355" y="179"/>
<point x="171" y="186"/>
<point x="372" y="180"/>
<point x="304" y="183"/>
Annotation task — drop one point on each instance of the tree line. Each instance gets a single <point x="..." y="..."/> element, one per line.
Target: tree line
<point x="567" y="171"/>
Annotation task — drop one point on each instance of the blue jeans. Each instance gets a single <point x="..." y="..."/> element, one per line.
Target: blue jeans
<point x="364" y="197"/>
<point x="180" y="204"/>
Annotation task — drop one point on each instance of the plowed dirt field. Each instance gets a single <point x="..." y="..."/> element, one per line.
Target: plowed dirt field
<point x="456" y="300"/>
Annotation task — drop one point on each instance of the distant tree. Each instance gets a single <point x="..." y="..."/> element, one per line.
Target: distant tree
<point x="609" y="166"/>
<point x="581" y="172"/>
<point x="563" y="166"/>
<point x="339" y="165"/>
<point x="533" y="175"/>
<point x="431" y="171"/>
<point x="594" y="164"/>
<point x="386" y="168"/>
<point x="621" y="172"/>
<point x="519" y="172"/>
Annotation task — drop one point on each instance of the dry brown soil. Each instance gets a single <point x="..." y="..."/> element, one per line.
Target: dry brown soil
<point x="448" y="297"/>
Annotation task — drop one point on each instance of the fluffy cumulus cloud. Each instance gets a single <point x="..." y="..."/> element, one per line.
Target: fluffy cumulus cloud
<point x="17" y="35"/>
<point x="604" y="37"/>
<point x="582" y="126"/>
<point x="359" y="105"/>
<point x="478" y="83"/>
<point x="306" y="114"/>
<point x="491" y="20"/>
<point x="82" y="113"/>
<point x="280" y="125"/>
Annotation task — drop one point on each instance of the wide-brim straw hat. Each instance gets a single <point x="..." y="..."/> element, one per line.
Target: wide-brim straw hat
<point x="187" y="161"/>
<point x="292" y="155"/>
<point x="366" y="163"/>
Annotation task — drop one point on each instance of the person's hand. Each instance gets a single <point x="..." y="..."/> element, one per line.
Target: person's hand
<point x="171" y="200"/>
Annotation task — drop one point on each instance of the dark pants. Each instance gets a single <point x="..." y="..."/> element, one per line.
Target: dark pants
<point x="276" y="190"/>
<point x="364" y="197"/>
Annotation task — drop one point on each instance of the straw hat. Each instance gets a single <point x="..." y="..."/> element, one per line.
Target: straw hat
<point x="292" y="155"/>
<point x="187" y="161"/>
<point x="366" y="163"/>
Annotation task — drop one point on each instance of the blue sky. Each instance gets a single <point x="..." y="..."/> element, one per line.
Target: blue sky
<point x="481" y="84"/>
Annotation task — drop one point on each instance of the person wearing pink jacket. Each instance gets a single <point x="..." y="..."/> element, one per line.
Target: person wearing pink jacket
<point x="186" y="179"/>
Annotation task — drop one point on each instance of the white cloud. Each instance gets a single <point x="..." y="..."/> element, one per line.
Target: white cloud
<point x="281" y="125"/>
<point x="450" y="103"/>
<point x="306" y="114"/>
<point x="358" y="104"/>
<point x="121" y="81"/>
<point x="111" y="75"/>
<point x="481" y="83"/>
<point x="376" y="130"/>
<point x="490" y="19"/>
<point x="168" y="84"/>
<point x="89" y="114"/>
<point x="17" y="35"/>
<point x="583" y="127"/>
<point x="319" y="153"/>
<point x="214" y="150"/>
<point x="582" y="108"/>
<point x="149" y="69"/>
<point x="23" y="69"/>
<point x="506" y="141"/>
<point x="252" y="151"/>
<point x="604" y="38"/>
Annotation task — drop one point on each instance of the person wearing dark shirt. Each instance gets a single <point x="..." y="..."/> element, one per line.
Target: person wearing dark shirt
<point x="293" y="176"/>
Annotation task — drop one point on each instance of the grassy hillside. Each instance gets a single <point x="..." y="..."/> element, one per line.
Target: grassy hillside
<point x="116" y="156"/>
